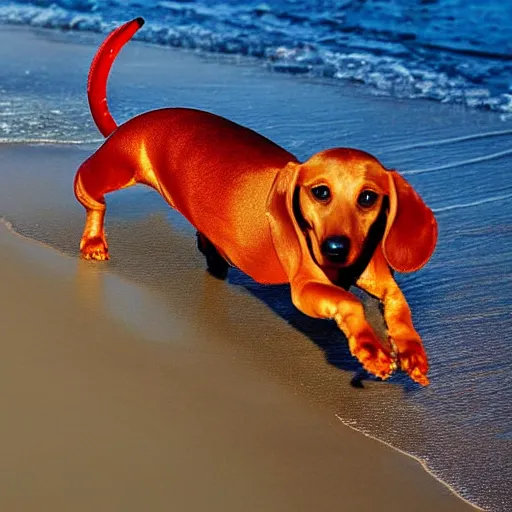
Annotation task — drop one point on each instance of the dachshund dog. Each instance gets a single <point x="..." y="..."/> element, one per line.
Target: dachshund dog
<point x="339" y="219"/>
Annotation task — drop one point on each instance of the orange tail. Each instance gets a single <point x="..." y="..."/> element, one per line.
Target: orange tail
<point x="98" y="74"/>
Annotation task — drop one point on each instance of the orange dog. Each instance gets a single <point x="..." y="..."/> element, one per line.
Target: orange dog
<point x="337" y="220"/>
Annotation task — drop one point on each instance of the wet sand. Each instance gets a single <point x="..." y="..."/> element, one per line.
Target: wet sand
<point x="102" y="415"/>
<point x="179" y="391"/>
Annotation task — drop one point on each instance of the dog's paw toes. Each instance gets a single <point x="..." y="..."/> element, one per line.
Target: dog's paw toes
<point x="413" y="360"/>
<point x="96" y="256"/>
<point x="94" y="249"/>
<point x="374" y="358"/>
<point x="419" y="377"/>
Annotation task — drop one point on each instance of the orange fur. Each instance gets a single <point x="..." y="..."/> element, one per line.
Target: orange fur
<point x="252" y="204"/>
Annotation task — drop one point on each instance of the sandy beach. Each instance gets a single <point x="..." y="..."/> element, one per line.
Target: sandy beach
<point x="99" y="415"/>
<point x="144" y="383"/>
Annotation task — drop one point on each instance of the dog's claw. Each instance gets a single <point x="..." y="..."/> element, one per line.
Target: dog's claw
<point x="412" y="360"/>
<point x="94" y="249"/>
<point x="96" y="256"/>
<point x="374" y="358"/>
<point x="418" y="377"/>
<point x="393" y="367"/>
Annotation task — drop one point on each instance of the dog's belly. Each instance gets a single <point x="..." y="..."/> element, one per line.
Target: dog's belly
<point x="262" y="265"/>
<point x="237" y="225"/>
<point x="218" y="174"/>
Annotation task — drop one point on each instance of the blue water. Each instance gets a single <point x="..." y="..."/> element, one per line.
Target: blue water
<point x="447" y="50"/>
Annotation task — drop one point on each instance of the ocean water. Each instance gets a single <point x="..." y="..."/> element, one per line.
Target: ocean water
<point x="446" y="50"/>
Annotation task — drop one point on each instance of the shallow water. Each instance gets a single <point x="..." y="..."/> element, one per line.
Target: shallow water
<point x="457" y="158"/>
<point x="447" y="50"/>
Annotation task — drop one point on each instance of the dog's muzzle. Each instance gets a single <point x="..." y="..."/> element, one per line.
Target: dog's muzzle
<point x="336" y="248"/>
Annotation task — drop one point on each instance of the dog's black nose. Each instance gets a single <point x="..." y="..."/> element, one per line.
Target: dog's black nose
<point x="336" y="248"/>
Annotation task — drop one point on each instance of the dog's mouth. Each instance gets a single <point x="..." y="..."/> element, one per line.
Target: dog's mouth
<point x="340" y="267"/>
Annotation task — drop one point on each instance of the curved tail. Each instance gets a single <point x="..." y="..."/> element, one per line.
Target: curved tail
<point x="100" y="69"/>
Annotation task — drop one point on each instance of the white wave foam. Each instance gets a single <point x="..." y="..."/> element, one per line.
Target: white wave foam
<point x="227" y="29"/>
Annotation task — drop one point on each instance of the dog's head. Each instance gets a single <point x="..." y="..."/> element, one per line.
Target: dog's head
<point x="340" y="199"/>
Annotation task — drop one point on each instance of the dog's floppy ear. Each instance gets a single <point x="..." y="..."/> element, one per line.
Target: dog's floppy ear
<point x="411" y="230"/>
<point x="287" y="237"/>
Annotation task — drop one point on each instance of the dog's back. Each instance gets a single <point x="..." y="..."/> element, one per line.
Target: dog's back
<point x="215" y="172"/>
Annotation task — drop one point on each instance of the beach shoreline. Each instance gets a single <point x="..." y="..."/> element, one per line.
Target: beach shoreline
<point x="155" y="250"/>
<point x="89" y="397"/>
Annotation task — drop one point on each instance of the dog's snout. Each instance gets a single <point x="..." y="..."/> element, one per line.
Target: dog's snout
<point x="336" y="248"/>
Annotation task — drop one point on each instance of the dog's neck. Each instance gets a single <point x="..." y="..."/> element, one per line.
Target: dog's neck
<point x="348" y="276"/>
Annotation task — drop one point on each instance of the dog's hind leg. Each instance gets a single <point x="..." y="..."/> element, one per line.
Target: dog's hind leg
<point x="95" y="178"/>
<point x="217" y="266"/>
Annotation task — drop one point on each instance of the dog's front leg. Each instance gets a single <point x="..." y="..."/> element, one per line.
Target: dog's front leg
<point x="324" y="300"/>
<point x="378" y="281"/>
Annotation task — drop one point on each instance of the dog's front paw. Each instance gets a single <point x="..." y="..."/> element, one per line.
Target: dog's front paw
<point x="413" y="359"/>
<point x="94" y="248"/>
<point x="374" y="357"/>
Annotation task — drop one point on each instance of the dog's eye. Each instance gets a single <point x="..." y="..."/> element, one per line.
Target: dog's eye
<point x="322" y="192"/>
<point x="367" y="198"/>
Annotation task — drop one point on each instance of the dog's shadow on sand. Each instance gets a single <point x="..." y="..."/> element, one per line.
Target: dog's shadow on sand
<point x="324" y="333"/>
